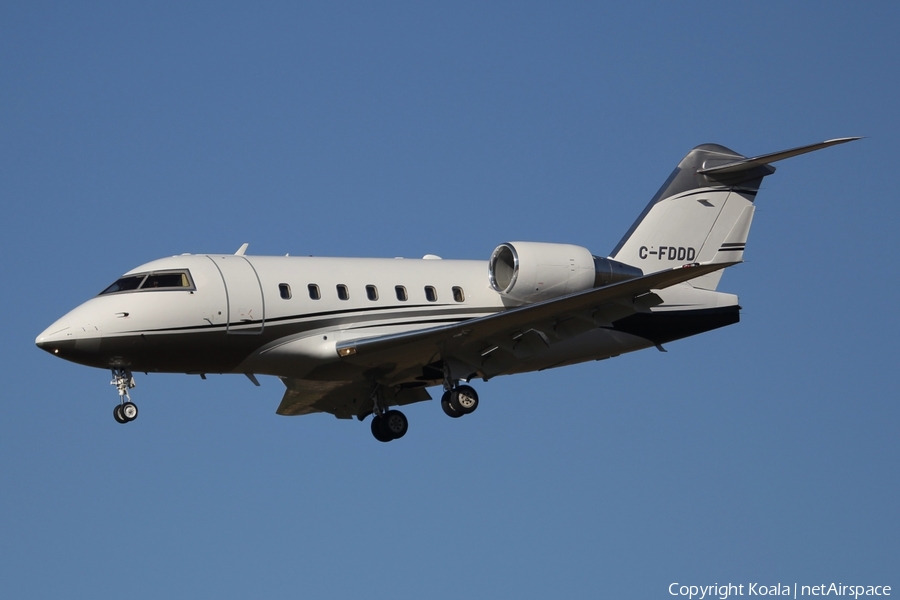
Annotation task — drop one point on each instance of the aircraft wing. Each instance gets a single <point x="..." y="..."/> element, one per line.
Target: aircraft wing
<point x="513" y="330"/>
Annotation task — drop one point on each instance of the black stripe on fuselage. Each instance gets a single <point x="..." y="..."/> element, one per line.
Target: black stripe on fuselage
<point x="434" y="309"/>
<point x="422" y="322"/>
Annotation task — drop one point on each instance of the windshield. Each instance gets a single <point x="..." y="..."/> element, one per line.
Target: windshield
<point x="158" y="280"/>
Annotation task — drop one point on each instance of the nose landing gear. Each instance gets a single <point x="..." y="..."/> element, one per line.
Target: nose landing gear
<point x="126" y="410"/>
<point x="123" y="413"/>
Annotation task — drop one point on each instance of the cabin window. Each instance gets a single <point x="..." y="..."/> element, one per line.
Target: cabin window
<point x="402" y="296"/>
<point x="430" y="293"/>
<point x="285" y="290"/>
<point x="314" y="293"/>
<point x="159" y="280"/>
<point x="342" y="292"/>
<point x="371" y="292"/>
<point x="458" y="294"/>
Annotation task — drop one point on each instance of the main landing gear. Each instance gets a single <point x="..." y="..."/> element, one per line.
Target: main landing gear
<point x="387" y="425"/>
<point x="459" y="400"/>
<point x="392" y="425"/>
<point x="126" y="410"/>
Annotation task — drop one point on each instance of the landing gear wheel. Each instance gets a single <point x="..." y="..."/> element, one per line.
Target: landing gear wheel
<point x="464" y="399"/>
<point x="395" y="424"/>
<point x="126" y="410"/>
<point x="448" y="408"/>
<point x="379" y="431"/>
<point x="130" y="411"/>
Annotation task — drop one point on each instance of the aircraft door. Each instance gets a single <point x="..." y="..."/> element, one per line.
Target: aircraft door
<point x="244" y="296"/>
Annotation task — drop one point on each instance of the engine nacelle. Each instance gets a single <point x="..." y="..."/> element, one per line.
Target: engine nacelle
<point x="534" y="271"/>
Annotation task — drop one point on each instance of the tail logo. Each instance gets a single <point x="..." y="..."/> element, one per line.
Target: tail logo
<point x="667" y="253"/>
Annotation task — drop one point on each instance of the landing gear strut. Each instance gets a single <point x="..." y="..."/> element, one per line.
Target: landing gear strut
<point x="126" y="410"/>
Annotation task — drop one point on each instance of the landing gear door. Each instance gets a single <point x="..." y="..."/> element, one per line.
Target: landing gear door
<point x="244" y="296"/>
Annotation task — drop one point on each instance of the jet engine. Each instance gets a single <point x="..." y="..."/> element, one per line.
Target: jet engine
<point x="535" y="271"/>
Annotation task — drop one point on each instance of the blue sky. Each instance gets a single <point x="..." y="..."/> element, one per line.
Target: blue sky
<point x="763" y="452"/>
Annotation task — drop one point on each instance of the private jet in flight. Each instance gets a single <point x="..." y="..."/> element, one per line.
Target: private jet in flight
<point x="358" y="336"/>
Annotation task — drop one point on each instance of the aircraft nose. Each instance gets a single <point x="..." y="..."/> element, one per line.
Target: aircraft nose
<point x="62" y="339"/>
<point x="55" y="337"/>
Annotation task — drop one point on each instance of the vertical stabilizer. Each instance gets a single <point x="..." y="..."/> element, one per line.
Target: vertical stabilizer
<point x="703" y="212"/>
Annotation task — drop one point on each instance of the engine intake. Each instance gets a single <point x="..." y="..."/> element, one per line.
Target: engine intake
<point x="535" y="271"/>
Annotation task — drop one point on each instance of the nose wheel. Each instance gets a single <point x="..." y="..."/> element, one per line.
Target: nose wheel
<point x="126" y="411"/>
<point x="123" y="413"/>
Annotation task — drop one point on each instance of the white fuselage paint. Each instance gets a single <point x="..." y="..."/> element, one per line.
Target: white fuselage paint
<point x="236" y="319"/>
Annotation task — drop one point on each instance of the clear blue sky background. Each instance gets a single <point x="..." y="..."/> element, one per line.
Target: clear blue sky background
<point x="766" y="451"/>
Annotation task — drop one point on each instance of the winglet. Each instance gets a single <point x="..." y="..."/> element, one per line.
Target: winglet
<point x="242" y="249"/>
<point x="757" y="161"/>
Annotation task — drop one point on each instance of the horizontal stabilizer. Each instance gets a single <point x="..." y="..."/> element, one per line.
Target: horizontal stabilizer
<point x="757" y="161"/>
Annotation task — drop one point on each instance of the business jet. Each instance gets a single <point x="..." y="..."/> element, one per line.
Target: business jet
<point x="355" y="337"/>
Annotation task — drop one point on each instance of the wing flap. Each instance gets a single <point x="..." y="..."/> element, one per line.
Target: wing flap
<point x="343" y="399"/>
<point x="305" y="396"/>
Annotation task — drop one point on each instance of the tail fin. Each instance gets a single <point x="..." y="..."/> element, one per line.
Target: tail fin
<point x="703" y="212"/>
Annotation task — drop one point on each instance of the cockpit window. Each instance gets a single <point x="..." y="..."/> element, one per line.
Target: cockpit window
<point x="166" y="280"/>
<point x="125" y="284"/>
<point x="158" y="280"/>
